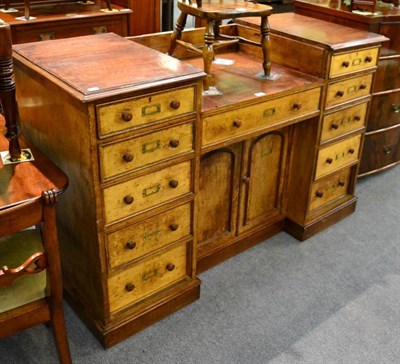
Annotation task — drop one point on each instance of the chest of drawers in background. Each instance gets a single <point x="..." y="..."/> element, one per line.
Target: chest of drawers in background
<point x="382" y="140"/>
<point x="346" y="59"/>
<point x="127" y="142"/>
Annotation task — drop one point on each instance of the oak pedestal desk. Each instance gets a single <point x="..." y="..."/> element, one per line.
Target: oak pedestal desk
<point x="165" y="182"/>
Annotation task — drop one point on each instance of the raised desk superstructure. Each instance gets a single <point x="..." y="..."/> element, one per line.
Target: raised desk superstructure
<point x="165" y="182"/>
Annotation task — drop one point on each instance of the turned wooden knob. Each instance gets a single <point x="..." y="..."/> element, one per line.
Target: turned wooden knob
<point x="368" y="59"/>
<point x="237" y="123"/>
<point x="296" y="106"/>
<point x="173" y="226"/>
<point x="128" y="199"/>
<point x="175" y="104"/>
<point x="127" y="157"/>
<point x="346" y="64"/>
<point x="170" y="267"/>
<point x="173" y="143"/>
<point x="329" y="160"/>
<point x="173" y="183"/>
<point x="339" y="93"/>
<point x="130" y="244"/>
<point x="341" y="183"/>
<point x="351" y="151"/>
<point x="363" y="86"/>
<point x="319" y="194"/>
<point x="129" y="287"/>
<point x="357" y="118"/>
<point x="126" y="116"/>
<point x="335" y="126"/>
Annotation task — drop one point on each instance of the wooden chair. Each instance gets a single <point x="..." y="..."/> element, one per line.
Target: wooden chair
<point x="30" y="269"/>
<point x="213" y="12"/>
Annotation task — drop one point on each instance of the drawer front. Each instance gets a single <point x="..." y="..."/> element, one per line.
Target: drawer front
<point x="347" y="90"/>
<point x="137" y="240"/>
<point x="384" y="111"/>
<point x="147" y="277"/>
<point x="133" y="196"/>
<point x="380" y="150"/>
<point x="126" y="114"/>
<point x="133" y="153"/>
<point x="337" y="156"/>
<point x="387" y="75"/>
<point x="353" y="61"/>
<point x="343" y="121"/>
<point x="254" y="117"/>
<point x="329" y="189"/>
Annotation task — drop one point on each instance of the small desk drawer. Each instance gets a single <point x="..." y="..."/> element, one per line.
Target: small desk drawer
<point x="133" y="196"/>
<point x="337" y="156"/>
<point x="130" y="113"/>
<point x="133" y="153"/>
<point x="353" y="61"/>
<point x="384" y="111"/>
<point x="343" y="121"/>
<point x="329" y="189"/>
<point x="246" y="119"/>
<point x="148" y="276"/>
<point x="137" y="240"/>
<point x="348" y="89"/>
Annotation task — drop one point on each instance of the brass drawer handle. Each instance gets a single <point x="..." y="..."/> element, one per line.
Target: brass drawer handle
<point x="388" y="149"/>
<point x="335" y="126"/>
<point x="127" y="157"/>
<point x="47" y="36"/>
<point x="339" y="93"/>
<point x="345" y="64"/>
<point x="173" y="183"/>
<point x="130" y="245"/>
<point x="368" y="59"/>
<point x="319" y="194"/>
<point x="363" y="86"/>
<point x="175" y="104"/>
<point x="246" y="179"/>
<point x="237" y="123"/>
<point x="99" y="30"/>
<point x="351" y="151"/>
<point x="129" y="287"/>
<point x="174" y="226"/>
<point x="329" y="160"/>
<point x="128" y="199"/>
<point x="126" y="116"/>
<point x="341" y="183"/>
<point x="396" y="108"/>
<point x="174" y="143"/>
<point x="296" y="106"/>
<point x="170" y="267"/>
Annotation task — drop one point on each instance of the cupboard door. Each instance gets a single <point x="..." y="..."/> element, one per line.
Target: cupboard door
<point x="218" y="198"/>
<point x="264" y="161"/>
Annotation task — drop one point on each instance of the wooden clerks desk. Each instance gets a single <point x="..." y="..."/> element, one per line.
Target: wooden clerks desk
<point x="165" y="182"/>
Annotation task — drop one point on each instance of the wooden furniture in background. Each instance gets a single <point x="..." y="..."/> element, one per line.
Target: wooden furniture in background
<point x="382" y="143"/>
<point x="29" y="190"/>
<point x="66" y="20"/>
<point x="213" y="13"/>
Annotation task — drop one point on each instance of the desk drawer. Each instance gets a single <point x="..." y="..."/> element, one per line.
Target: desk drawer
<point x="348" y="89"/>
<point x="133" y="153"/>
<point x="246" y="119"/>
<point x="337" y="156"/>
<point x="384" y="111"/>
<point x="343" y="121"/>
<point x="131" y="113"/>
<point x="147" y="277"/>
<point x="353" y="61"/>
<point x="329" y="189"/>
<point x="137" y="240"/>
<point x="133" y="196"/>
<point x="387" y="75"/>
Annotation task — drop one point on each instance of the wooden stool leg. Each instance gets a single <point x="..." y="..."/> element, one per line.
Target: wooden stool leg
<point x="208" y="53"/>
<point x="265" y="45"/>
<point x="177" y="34"/>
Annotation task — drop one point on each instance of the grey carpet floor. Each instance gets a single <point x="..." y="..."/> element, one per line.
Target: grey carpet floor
<point x="334" y="298"/>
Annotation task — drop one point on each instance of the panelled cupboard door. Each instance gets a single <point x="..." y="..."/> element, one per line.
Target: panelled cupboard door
<point x="263" y="167"/>
<point x="218" y="198"/>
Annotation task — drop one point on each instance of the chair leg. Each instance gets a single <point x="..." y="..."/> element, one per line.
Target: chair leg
<point x="177" y="33"/>
<point x="265" y="45"/>
<point x="208" y="53"/>
<point x="60" y="335"/>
